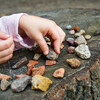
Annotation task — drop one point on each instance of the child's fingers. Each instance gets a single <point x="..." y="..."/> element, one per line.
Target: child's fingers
<point x="3" y="35"/>
<point x="7" y="52"/>
<point x="53" y="32"/>
<point x="42" y="43"/>
<point x="4" y="59"/>
<point x="5" y="44"/>
<point x="61" y="34"/>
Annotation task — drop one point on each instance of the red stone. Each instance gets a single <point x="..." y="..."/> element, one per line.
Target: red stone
<point x="30" y="66"/>
<point x="4" y="77"/>
<point x="50" y="62"/>
<point x="19" y="76"/>
<point x="75" y="28"/>
<point x="32" y="63"/>
<point x="38" y="70"/>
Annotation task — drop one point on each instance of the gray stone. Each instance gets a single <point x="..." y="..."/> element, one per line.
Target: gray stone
<point x="52" y="54"/>
<point x="4" y="84"/>
<point x="80" y="40"/>
<point x="68" y="27"/>
<point x="83" y="51"/>
<point x="20" y="84"/>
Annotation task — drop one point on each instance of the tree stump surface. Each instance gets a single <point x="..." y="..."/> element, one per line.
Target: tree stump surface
<point x="82" y="83"/>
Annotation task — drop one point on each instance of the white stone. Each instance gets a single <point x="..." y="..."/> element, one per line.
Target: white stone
<point x="82" y="31"/>
<point x="83" y="51"/>
<point x="77" y="34"/>
<point x="71" y="32"/>
<point x="68" y="27"/>
<point x="87" y="37"/>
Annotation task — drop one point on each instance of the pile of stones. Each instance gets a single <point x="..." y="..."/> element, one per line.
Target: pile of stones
<point x="34" y="75"/>
<point x="77" y="45"/>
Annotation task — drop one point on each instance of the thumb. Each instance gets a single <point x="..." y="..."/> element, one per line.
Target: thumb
<point x="3" y="35"/>
<point x="43" y="45"/>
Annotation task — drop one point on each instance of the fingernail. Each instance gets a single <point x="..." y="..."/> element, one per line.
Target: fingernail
<point x="46" y="52"/>
<point x="7" y="36"/>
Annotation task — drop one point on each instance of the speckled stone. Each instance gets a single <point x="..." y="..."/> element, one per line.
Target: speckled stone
<point x="20" y="84"/>
<point x="40" y="82"/>
<point x="80" y="40"/>
<point x="83" y="51"/>
<point x="68" y="27"/>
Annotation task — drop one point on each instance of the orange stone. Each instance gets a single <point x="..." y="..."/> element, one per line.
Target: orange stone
<point x="59" y="73"/>
<point x="50" y="62"/>
<point x="75" y="28"/>
<point x="74" y="63"/>
<point x="32" y="63"/>
<point x="30" y="66"/>
<point x="4" y="77"/>
<point x="19" y="76"/>
<point x="38" y="70"/>
<point x="29" y="70"/>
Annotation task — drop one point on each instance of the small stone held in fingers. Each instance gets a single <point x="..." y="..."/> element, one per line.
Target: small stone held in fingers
<point x="52" y="55"/>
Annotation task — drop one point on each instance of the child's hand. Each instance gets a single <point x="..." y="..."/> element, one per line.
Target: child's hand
<point x="36" y="28"/>
<point x="6" y="47"/>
